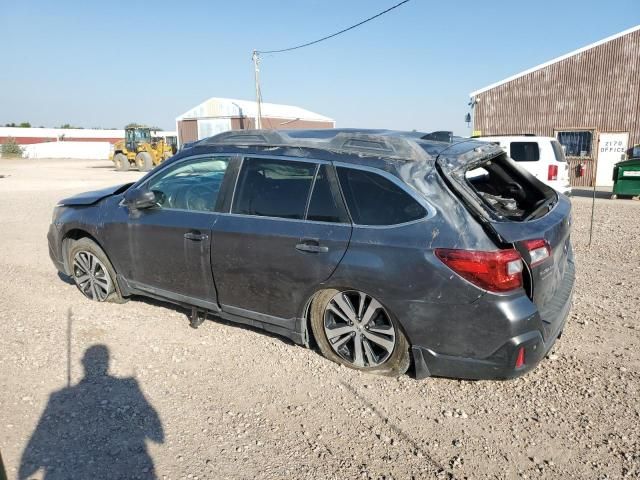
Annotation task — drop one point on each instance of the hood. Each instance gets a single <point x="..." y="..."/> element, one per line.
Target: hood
<point x="89" y="198"/>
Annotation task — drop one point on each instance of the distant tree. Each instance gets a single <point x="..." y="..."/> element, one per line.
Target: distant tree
<point x="10" y="148"/>
<point x="68" y="125"/>
<point x="10" y="125"/>
<point x="25" y="125"/>
<point x="133" y="125"/>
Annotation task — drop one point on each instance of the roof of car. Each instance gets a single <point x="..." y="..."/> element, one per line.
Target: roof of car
<point x="388" y="144"/>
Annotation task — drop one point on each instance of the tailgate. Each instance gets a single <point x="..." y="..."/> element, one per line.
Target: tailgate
<point x="518" y="210"/>
<point x="552" y="277"/>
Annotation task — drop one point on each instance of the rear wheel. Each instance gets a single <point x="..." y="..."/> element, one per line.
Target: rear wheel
<point x="92" y="272"/>
<point x="121" y="162"/>
<point x="144" y="161"/>
<point x="353" y="329"/>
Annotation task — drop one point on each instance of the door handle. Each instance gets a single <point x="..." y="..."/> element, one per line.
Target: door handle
<point x="196" y="236"/>
<point x="312" y="246"/>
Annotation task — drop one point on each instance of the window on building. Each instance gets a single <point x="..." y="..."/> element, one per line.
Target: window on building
<point x="525" y="151"/>
<point x="273" y="188"/>
<point x="375" y="200"/>
<point x="576" y="143"/>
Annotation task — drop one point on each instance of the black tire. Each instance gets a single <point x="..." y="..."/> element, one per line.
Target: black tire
<point x="121" y="162"/>
<point x="395" y="365"/>
<point x="144" y="161"/>
<point x="87" y="247"/>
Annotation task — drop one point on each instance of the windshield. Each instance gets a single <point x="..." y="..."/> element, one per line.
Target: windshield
<point x="138" y="135"/>
<point x="141" y="135"/>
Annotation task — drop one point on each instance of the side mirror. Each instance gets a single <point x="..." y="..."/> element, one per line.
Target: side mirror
<point x="138" y="199"/>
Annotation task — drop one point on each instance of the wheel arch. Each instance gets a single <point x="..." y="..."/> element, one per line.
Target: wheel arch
<point x="75" y="234"/>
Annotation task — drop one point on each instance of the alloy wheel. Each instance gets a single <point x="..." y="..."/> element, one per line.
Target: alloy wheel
<point x="91" y="276"/>
<point x="359" y="329"/>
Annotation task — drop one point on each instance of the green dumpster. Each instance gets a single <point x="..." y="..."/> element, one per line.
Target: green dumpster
<point x="626" y="178"/>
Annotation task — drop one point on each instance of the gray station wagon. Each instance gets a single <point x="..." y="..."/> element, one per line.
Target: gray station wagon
<point x="384" y="249"/>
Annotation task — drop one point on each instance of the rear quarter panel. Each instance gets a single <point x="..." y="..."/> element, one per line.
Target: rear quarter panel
<point x="397" y="265"/>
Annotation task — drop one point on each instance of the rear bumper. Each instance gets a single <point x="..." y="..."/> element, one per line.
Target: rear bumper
<point x="501" y="364"/>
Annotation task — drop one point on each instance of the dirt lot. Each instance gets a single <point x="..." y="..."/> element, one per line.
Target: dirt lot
<point x="226" y="401"/>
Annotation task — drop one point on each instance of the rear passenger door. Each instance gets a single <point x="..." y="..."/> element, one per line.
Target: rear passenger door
<point x="285" y="232"/>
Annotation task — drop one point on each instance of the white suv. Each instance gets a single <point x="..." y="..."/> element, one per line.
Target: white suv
<point x="543" y="157"/>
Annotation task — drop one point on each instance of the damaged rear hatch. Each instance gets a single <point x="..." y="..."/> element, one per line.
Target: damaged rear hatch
<point x="518" y="210"/>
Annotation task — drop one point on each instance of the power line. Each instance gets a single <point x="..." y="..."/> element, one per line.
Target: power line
<point x="334" y="34"/>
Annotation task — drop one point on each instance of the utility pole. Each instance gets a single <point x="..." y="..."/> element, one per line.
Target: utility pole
<point x="256" y="61"/>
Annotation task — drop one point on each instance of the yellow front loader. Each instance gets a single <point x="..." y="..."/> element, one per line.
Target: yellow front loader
<point x="140" y="149"/>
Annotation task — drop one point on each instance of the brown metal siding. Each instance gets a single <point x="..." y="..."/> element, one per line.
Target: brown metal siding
<point x="246" y="123"/>
<point x="598" y="89"/>
<point x="289" y="124"/>
<point x="187" y="131"/>
<point x="243" y="123"/>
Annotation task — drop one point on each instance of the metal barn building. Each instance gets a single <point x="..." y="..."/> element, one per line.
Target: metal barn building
<point x="218" y="115"/>
<point x="589" y="99"/>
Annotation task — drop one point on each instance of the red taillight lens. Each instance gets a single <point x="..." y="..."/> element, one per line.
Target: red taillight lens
<point x="539" y="251"/>
<point x="520" y="358"/>
<point x="498" y="271"/>
<point x="553" y="172"/>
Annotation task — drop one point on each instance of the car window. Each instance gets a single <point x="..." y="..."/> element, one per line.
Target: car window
<point x="375" y="200"/>
<point x="273" y="188"/>
<point x="324" y="206"/>
<point x="559" y="152"/>
<point x="190" y="185"/>
<point x="525" y="151"/>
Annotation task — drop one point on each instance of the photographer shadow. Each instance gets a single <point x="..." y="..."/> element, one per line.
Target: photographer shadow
<point x="95" y="429"/>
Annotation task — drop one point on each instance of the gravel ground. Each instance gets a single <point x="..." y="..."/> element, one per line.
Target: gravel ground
<point x="226" y="401"/>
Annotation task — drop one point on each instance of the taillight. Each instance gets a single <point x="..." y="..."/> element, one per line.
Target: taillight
<point x="553" y="172"/>
<point x="539" y="251"/>
<point x="520" y="358"/>
<point x="498" y="271"/>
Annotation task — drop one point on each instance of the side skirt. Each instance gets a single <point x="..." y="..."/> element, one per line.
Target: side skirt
<point x="276" y="325"/>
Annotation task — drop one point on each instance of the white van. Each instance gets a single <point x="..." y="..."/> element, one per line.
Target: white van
<point x="543" y="157"/>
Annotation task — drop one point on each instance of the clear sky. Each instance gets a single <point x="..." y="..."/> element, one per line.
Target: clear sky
<point x="108" y="63"/>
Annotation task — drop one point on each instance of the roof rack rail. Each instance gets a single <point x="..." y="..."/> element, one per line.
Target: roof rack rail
<point x="439" y="136"/>
<point x="378" y="143"/>
<point x="507" y="135"/>
<point x="247" y="137"/>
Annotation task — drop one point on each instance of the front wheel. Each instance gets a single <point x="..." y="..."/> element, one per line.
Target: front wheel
<point x="92" y="272"/>
<point x="144" y="161"/>
<point x="353" y="329"/>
